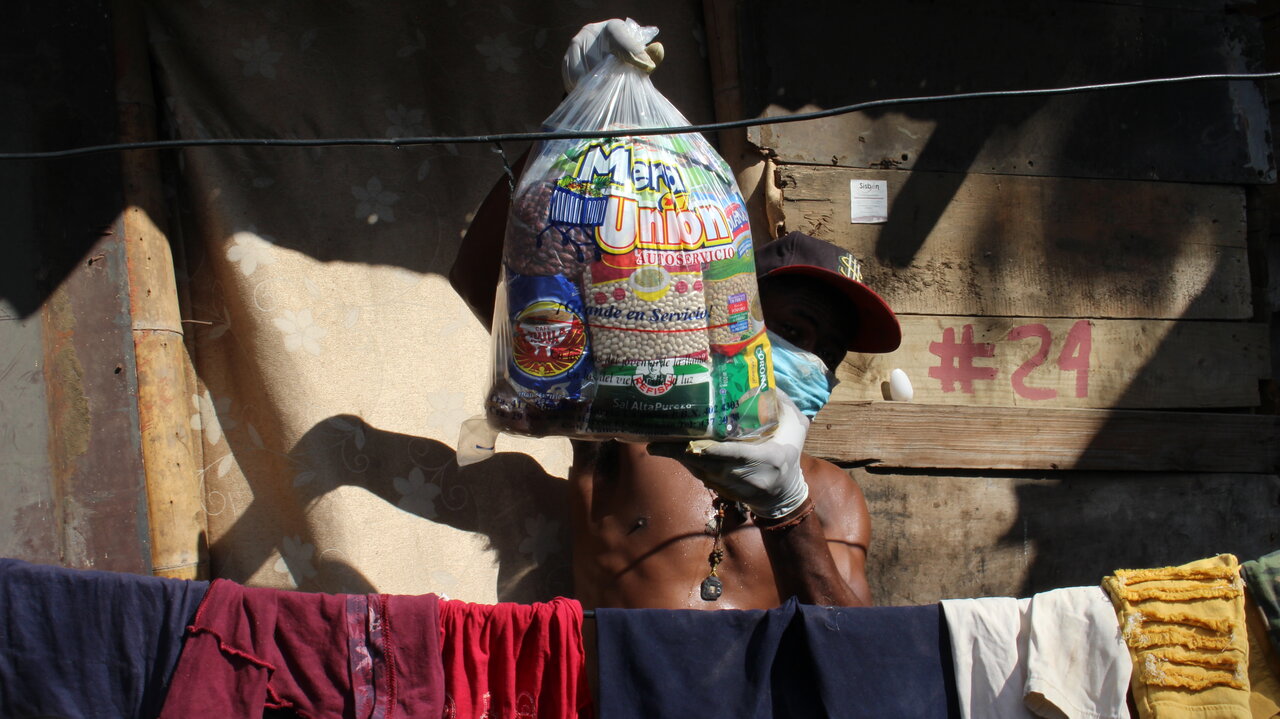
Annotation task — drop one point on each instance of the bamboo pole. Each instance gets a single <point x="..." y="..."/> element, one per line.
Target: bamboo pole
<point x="175" y="505"/>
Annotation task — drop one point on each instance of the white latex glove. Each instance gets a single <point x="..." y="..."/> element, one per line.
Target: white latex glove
<point x="596" y="41"/>
<point x="764" y="475"/>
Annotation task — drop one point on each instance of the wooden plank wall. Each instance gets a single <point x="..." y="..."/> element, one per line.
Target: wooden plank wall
<point x="1265" y="259"/>
<point x="1077" y="279"/>
<point x="830" y="53"/>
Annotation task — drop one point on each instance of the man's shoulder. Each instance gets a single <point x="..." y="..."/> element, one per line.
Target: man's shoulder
<point x="839" y="499"/>
<point x="833" y="488"/>
<point x="820" y="470"/>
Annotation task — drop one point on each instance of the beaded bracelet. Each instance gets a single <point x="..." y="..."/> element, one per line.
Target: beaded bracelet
<point x="805" y="510"/>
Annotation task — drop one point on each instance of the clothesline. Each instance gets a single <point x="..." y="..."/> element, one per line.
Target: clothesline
<point x="498" y="138"/>
<point x="417" y="655"/>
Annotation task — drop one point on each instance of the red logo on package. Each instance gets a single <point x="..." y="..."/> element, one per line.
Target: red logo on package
<point x="655" y="379"/>
<point x="549" y="339"/>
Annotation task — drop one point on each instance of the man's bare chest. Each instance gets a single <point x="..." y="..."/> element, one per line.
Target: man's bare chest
<point x="657" y="537"/>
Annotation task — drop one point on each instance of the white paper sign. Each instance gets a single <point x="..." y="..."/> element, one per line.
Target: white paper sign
<point x="869" y="201"/>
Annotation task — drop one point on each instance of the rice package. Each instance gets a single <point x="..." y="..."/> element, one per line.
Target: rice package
<point x="629" y="306"/>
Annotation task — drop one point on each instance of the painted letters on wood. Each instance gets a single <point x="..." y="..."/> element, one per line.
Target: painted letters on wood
<point x="1043" y="363"/>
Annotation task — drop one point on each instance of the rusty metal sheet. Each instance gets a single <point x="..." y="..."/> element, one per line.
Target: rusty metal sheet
<point x="71" y="309"/>
<point x="835" y="53"/>
<point x="27" y="527"/>
<point x="94" y="446"/>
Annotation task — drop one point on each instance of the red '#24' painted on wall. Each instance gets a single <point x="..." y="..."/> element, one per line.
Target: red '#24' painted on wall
<point x="956" y="370"/>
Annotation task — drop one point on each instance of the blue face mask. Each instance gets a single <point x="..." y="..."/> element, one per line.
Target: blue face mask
<point x="802" y="375"/>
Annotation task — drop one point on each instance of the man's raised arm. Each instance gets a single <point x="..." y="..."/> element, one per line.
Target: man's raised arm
<point x="822" y="559"/>
<point x="769" y="478"/>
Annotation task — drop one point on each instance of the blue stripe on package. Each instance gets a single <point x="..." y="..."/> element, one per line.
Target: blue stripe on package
<point x="550" y="354"/>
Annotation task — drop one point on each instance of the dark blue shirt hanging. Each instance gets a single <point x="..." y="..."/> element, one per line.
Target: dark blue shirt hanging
<point x="84" y="644"/>
<point x="794" y="661"/>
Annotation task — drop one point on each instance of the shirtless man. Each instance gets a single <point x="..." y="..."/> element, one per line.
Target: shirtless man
<point x="645" y="527"/>
<point x="651" y="522"/>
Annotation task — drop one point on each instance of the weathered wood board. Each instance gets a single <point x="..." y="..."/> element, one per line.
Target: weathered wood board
<point x="906" y="434"/>
<point x="1034" y="362"/>
<point x="1189" y="132"/>
<point x="943" y="537"/>
<point x="1036" y="247"/>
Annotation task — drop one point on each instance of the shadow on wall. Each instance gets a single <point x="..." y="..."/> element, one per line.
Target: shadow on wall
<point x="361" y="70"/>
<point x="519" y="509"/>
<point x="1074" y="526"/>
<point x="384" y="70"/>
<point x="1135" y="520"/>
<point x="942" y="534"/>
<point x="1087" y="525"/>
<point x="919" y="48"/>
<point x="380" y="65"/>
<point x="55" y="210"/>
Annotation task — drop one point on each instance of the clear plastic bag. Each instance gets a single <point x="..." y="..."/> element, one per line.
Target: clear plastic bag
<point x="628" y="306"/>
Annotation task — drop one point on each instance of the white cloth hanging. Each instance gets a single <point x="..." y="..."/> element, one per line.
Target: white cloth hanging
<point x="1056" y="655"/>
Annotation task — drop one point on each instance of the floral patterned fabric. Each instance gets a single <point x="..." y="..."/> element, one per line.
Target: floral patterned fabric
<point x="333" y="361"/>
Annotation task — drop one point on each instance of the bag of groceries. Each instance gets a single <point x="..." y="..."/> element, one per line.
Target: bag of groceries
<point x="628" y="306"/>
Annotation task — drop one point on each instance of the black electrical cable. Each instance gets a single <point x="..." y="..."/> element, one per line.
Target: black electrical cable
<point x="398" y="142"/>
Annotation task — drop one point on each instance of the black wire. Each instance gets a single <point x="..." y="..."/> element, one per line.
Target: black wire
<point x="399" y="142"/>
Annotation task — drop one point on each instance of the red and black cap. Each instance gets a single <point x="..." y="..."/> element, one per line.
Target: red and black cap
<point x="799" y="254"/>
